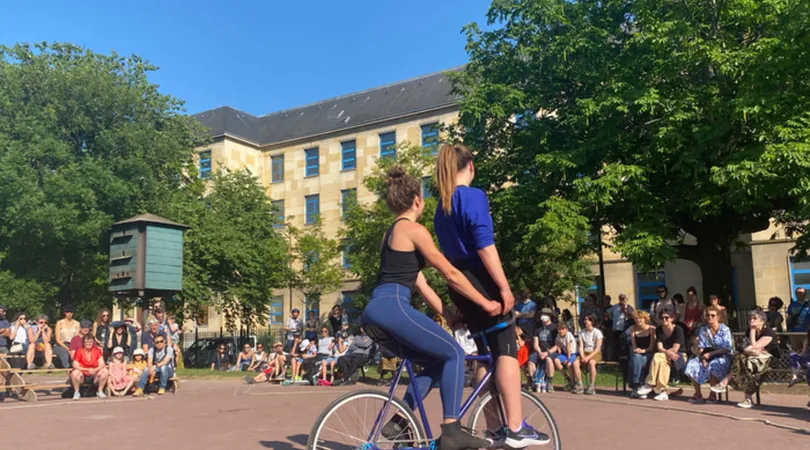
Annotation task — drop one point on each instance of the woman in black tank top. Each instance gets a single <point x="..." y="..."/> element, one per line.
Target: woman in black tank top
<point x="406" y="247"/>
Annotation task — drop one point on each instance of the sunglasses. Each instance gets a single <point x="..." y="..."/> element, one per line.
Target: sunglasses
<point x="711" y="315"/>
<point x="666" y="318"/>
<point x="159" y="342"/>
<point x="43" y="323"/>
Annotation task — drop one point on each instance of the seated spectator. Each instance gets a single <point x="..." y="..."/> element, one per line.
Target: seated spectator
<point x="545" y="334"/>
<point x="88" y="363"/>
<point x="339" y="348"/>
<point x="590" y="344"/>
<point x="323" y="350"/>
<point x="273" y="368"/>
<point x="138" y="366"/>
<point x="78" y="341"/>
<point x="294" y="354"/>
<point x="355" y="357"/>
<point x="18" y="334"/>
<point x="670" y="344"/>
<point x="642" y="347"/>
<point x="160" y="364"/>
<point x="307" y="350"/>
<point x="153" y="332"/>
<point x="775" y="318"/>
<point x="712" y="361"/>
<point x="523" y="353"/>
<point x="259" y="360"/>
<point x="39" y="337"/>
<point x="754" y="360"/>
<point x="245" y="358"/>
<point x="120" y="381"/>
<point x="5" y="333"/>
<point x="120" y="337"/>
<point x="221" y="361"/>
<point x="66" y="329"/>
<point x="800" y="362"/>
<point x="565" y="347"/>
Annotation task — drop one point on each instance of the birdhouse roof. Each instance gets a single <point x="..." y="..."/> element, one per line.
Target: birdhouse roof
<point x="151" y="218"/>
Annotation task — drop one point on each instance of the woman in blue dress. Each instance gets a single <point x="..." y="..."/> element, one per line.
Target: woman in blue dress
<point x="712" y="362"/>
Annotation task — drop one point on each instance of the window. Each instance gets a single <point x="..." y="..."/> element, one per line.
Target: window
<point x="279" y="207"/>
<point x="312" y="162"/>
<point x="348" y="153"/>
<point x="347" y="301"/>
<point x="347" y="197"/>
<point x="205" y="165"/>
<point x="648" y="284"/>
<point x="388" y="144"/>
<point x="428" y="189"/>
<point x="313" y="208"/>
<point x="276" y="310"/>
<point x="430" y="136"/>
<point x="311" y="258"/>
<point x="799" y="274"/>
<point x="277" y="163"/>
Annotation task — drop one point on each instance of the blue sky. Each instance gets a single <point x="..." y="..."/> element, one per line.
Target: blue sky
<point x="259" y="56"/>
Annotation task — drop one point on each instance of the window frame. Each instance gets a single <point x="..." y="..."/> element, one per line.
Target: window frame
<point x="344" y="193"/>
<point x="308" y="216"/>
<point x="273" y="160"/>
<point x="277" y="301"/>
<point x="344" y="149"/>
<point x="205" y="165"/>
<point x="430" y="131"/>
<point x="388" y="149"/>
<point x="316" y="168"/>
<point x="280" y="218"/>
<point x="644" y="302"/>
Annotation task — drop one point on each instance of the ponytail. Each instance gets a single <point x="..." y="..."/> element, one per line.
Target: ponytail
<point x="451" y="160"/>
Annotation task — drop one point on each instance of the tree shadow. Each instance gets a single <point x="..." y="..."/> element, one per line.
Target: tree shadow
<point x="295" y="442"/>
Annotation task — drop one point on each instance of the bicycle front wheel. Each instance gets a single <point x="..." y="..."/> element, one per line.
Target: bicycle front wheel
<point x="347" y="423"/>
<point x="535" y="412"/>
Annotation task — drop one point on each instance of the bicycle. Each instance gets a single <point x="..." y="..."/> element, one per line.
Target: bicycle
<point x="417" y="433"/>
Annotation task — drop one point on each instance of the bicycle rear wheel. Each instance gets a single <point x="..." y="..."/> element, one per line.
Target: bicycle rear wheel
<point x="347" y="423"/>
<point x="534" y="411"/>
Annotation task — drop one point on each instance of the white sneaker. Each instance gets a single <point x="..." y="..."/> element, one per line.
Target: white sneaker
<point x="77" y="395"/>
<point x="536" y="387"/>
<point x="662" y="397"/>
<point x="101" y="394"/>
<point x="644" y="390"/>
<point x="746" y="404"/>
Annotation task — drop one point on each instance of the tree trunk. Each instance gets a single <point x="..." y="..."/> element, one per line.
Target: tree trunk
<point x="713" y="255"/>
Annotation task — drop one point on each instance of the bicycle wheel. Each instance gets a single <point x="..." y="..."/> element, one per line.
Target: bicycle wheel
<point x="535" y="412"/>
<point x="347" y="422"/>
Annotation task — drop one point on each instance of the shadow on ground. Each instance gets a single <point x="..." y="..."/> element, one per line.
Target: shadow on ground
<point x="295" y="442"/>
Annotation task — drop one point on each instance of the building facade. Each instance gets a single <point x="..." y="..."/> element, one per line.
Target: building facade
<point x="309" y="158"/>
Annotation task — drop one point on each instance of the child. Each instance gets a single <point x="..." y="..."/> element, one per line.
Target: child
<point x="523" y="354"/>
<point x="566" y="348"/>
<point x="308" y="351"/>
<point x="138" y="365"/>
<point x="120" y="382"/>
<point x="338" y="349"/>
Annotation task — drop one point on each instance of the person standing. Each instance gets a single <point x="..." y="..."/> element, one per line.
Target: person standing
<point x="292" y="326"/>
<point x="589" y="306"/>
<point x="525" y="312"/>
<point x="663" y="302"/>
<point x="692" y="313"/>
<point x="798" y="317"/>
<point x="620" y="314"/>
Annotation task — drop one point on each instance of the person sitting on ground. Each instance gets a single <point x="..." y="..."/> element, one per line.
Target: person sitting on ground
<point x="715" y="301"/>
<point x="119" y="337"/>
<point x="221" y="361"/>
<point x="775" y="318"/>
<point x="160" y="364"/>
<point x="590" y="344"/>
<point x="642" y="347"/>
<point x="339" y="348"/>
<point x="138" y="365"/>
<point x="259" y="361"/>
<point x="152" y="333"/>
<point x="64" y="331"/>
<point x="355" y="357"/>
<point x="88" y="362"/>
<point x="543" y="340"/>
<point x="78" y="341"/>
<point x="670" y="345"/>
<point x="273" y="368"/>
<point x="39" y="338"/>
<point x="565" y="347"/>
<point x="712" y="363"/>
<point x="245" y="358"/>
<point x="120" y="381"/>
<point x="754" y="360"/>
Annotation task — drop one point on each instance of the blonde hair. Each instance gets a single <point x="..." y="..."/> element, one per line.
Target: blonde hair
<point x="451" y="160"/>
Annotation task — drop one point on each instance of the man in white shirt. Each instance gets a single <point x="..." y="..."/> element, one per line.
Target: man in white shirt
<point x="620" y="315"/>
<point x="292" y="325"/>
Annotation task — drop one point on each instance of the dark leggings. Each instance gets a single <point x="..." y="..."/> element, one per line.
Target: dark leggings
<point x="424" y="342"/>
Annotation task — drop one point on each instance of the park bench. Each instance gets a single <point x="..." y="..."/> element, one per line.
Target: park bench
<point x="619" y="372"/>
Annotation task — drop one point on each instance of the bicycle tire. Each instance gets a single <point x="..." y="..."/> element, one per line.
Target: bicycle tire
<point x="343" y="400"/>
<point x="555" y="432"/>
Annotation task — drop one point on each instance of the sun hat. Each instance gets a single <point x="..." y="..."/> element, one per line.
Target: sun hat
<point x="138" y="351"/>
<point x="118" y="350"/>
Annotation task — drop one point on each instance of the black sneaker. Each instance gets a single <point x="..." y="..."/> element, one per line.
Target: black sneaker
<point x="526" y="437"/>
<point x="454" y="437"/>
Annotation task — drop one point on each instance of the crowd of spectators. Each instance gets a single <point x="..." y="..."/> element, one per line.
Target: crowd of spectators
<point x="103" y="353"/>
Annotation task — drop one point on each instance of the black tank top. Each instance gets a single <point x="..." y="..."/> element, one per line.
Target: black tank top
<point x="643" y="342"/>
<point x="398" y="266"/>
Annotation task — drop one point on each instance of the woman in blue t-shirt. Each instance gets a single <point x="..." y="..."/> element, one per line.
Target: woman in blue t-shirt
<point x="463" y="225"/>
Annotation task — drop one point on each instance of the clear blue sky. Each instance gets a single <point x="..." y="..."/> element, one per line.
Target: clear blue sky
<point x="259" y="56"/>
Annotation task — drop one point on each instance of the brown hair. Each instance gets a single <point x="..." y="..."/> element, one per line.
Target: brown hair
<point x="451" y="160"/>
<point x="402" y="189"/>
<point x="639" y="314"/>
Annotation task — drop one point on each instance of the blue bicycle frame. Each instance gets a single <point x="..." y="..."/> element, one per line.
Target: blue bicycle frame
<point x="406" y="364"/>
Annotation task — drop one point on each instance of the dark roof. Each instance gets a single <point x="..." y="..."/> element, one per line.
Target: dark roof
<point x="151" y="218"/>
<point x="425" y="93"/>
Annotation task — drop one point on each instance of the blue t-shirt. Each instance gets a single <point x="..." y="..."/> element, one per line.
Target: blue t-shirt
<point x="467" y="229"/>
<point x="526" y="307"/>
<point x="3" y="325"/>
<point x="803" y="311"/>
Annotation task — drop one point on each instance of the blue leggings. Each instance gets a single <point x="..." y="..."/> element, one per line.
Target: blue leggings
<point x="423" y="342"/>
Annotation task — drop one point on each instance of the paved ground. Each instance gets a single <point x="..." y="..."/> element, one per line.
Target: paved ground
<point x="226" y="414"/>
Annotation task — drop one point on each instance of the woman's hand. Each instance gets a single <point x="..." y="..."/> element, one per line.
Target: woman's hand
<point x="707" y="356"/>
<point x="492" y="308"/>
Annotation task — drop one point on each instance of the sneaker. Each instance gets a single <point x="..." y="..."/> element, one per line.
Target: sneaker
<point x="161" y="391"/>
<point x="549" y="388"/>
<point x="746" y="404"/>
<point x="249" y="380"/>
<point x="568" y="386"/>
<point x="720" y="388"/>
<point x="454" y="437"/>
<point x="51" y="366"/>
<point x="590" y="391"/>
<point x="644" y="390"/>
<point x="536" y="387"/>
<point x="634" y="394"/>
<point x="793" y="382"/>
<point x="101" y="394"/>
<point x="32" y="367"/>
<point x="77" y="395"/>
<point x="662" y="397"/>
<point x="642" y="397"/>
<point x="525" y="437"/>
<point x="138" y="393"/>
<point x="579" y="389"/>
<point x="696" y="400"/>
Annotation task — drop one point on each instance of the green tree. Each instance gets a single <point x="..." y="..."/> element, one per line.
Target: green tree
<point x="85" y="140"/>
<point x="657" y="118"/>
<point x="314" y="266"/>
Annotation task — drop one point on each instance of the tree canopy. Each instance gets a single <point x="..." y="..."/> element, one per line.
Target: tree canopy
<point x="659" y="119"/>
